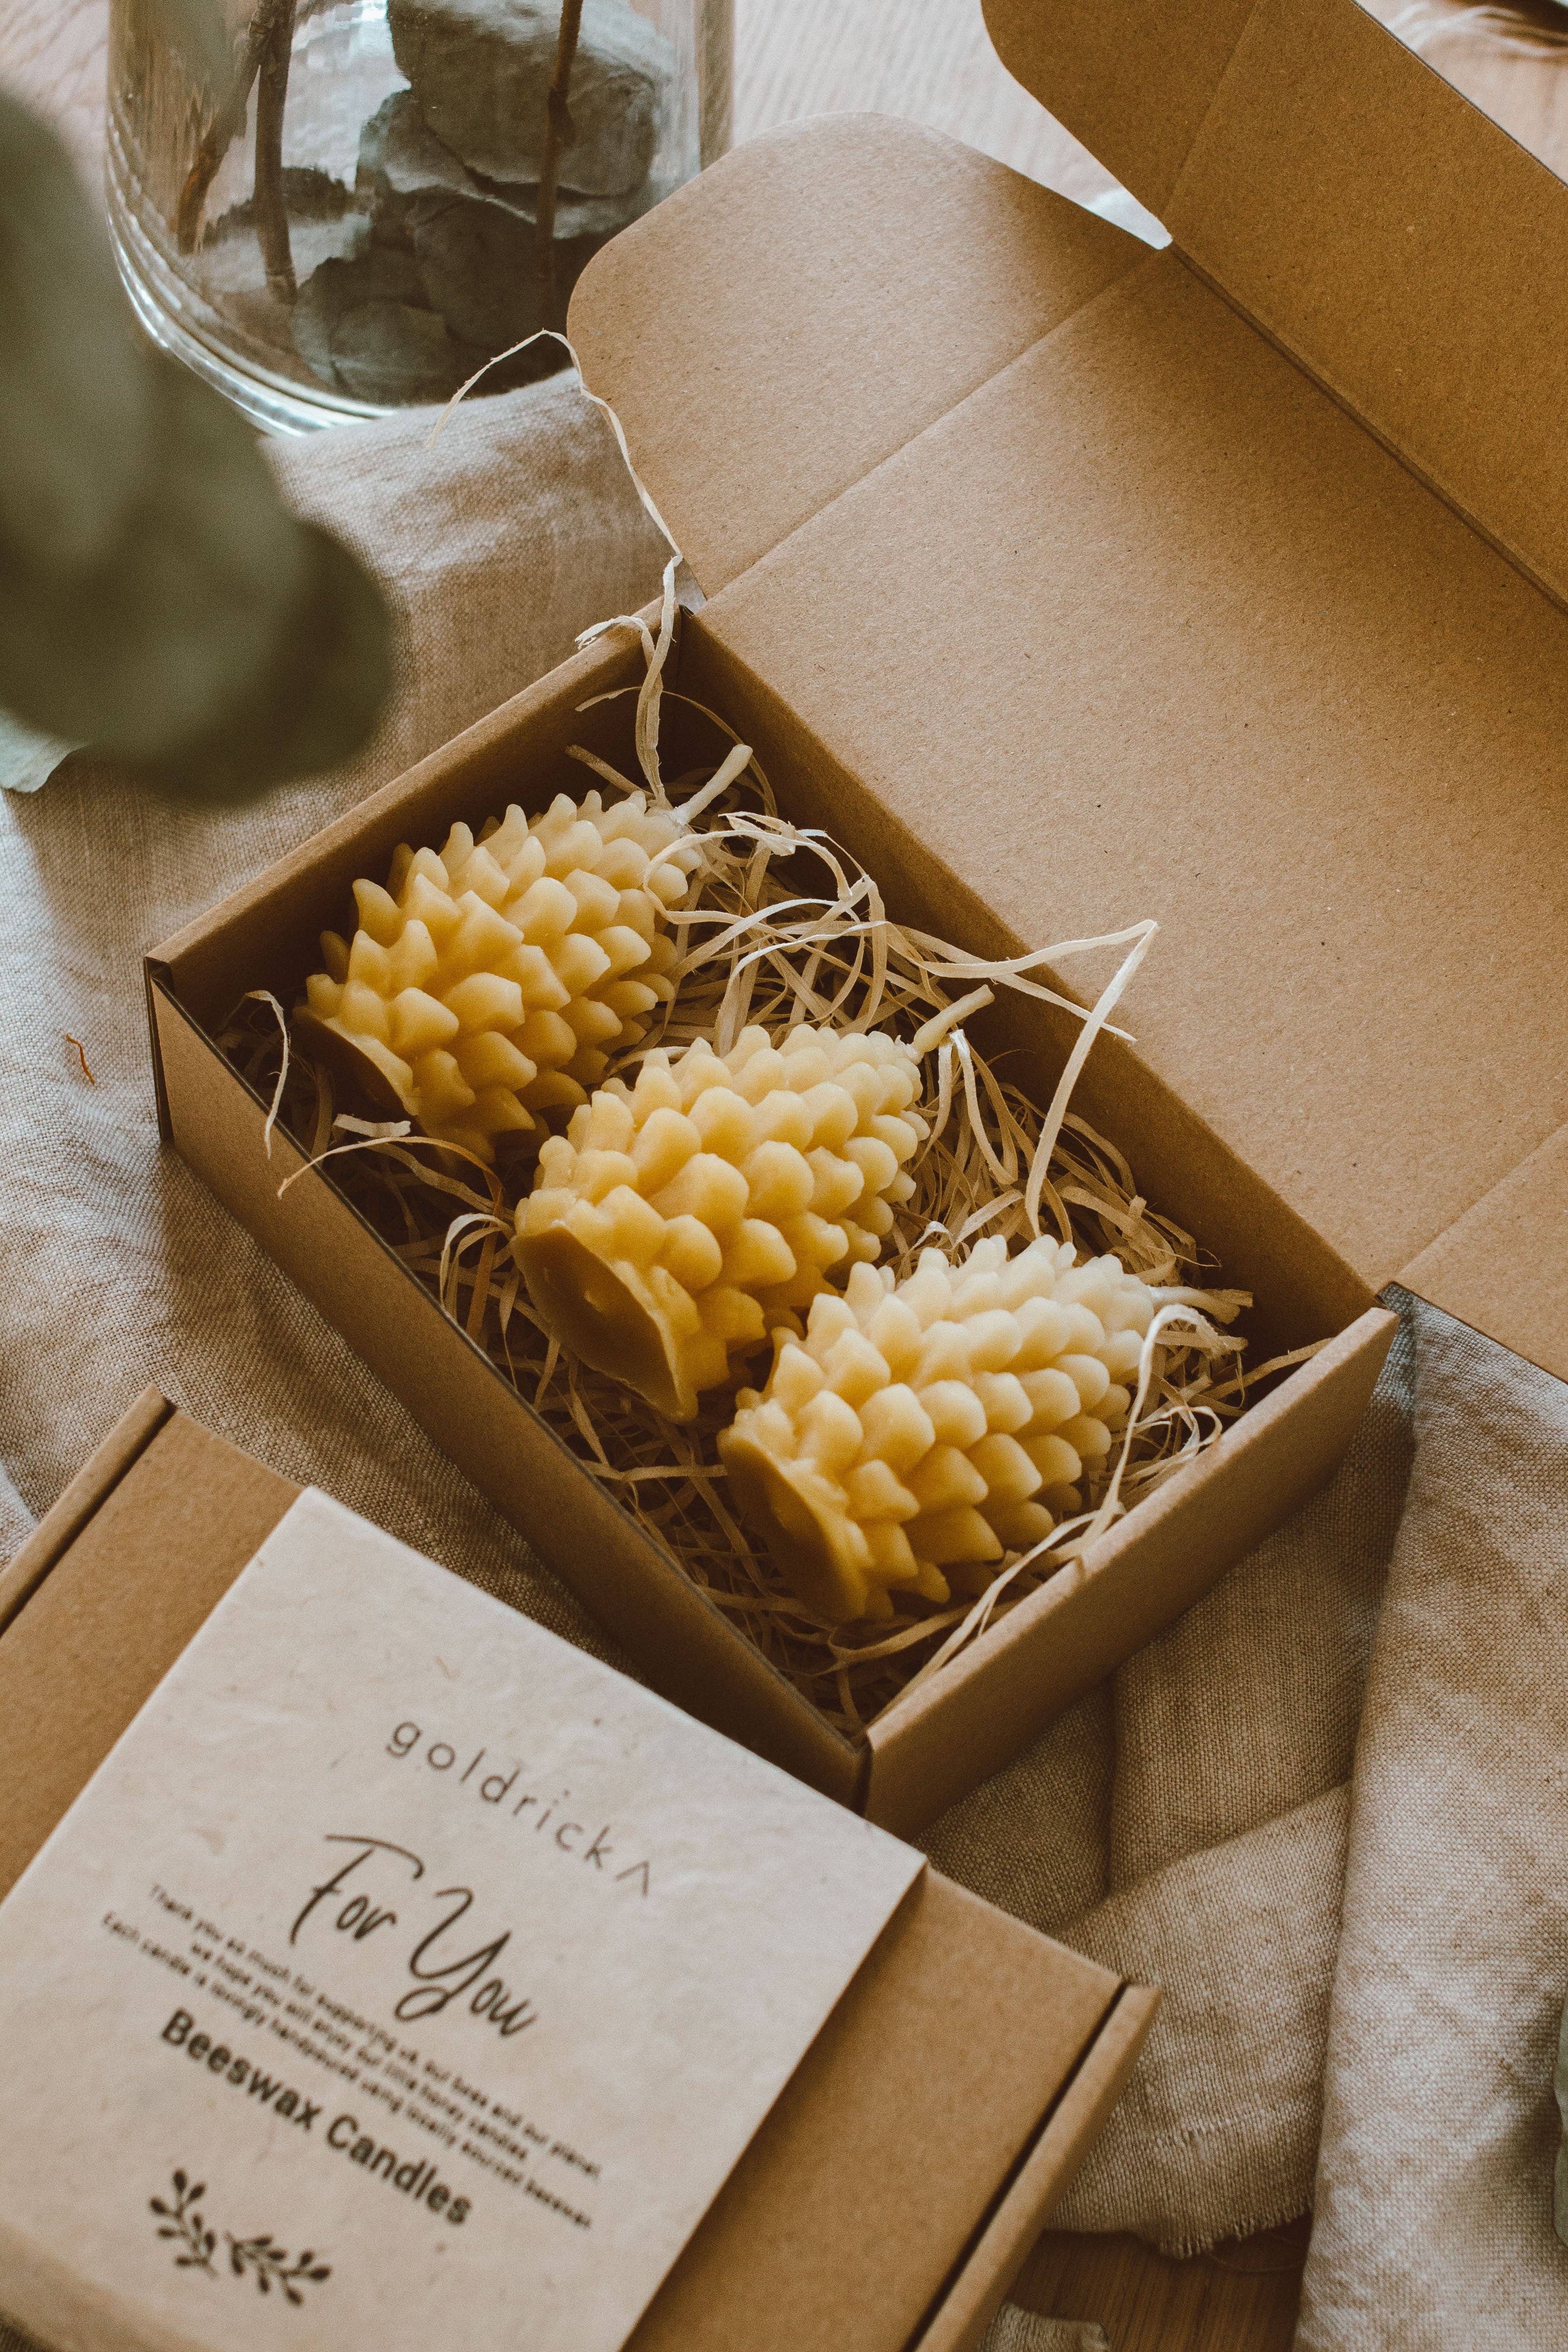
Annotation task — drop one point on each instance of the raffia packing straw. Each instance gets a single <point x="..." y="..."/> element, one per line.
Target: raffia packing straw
<point x="670" y="1478"/>
<point x="803" y="955"/>
<point x="992" y="1164"/>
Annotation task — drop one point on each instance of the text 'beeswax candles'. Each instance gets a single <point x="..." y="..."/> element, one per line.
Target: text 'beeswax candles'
<point x="680" y="1220"/>
<point x="921" y="1429"/>
<point x="489" y="982"/>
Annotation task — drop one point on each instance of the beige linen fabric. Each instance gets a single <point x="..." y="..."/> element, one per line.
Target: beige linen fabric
<point x="17" y="1521"/>
<point x="1013" y="2330"/>
<point x="1217" y="2134"/>
<point x="1434" y="2191"/>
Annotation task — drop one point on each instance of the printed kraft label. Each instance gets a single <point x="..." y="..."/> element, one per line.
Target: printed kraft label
<point x="403" y="1977"/>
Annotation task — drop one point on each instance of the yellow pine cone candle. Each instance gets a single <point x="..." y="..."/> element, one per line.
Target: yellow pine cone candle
<point x="490" y="982"/>
<point x="923" y="1428"/>
<point x="680" y="1220"/>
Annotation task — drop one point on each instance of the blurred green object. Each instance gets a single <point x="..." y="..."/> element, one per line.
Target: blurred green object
<point x="28" y="759"/>
<point x="157" y="599"/>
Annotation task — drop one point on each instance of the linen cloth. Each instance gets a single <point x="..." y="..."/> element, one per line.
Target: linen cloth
<point x="1432" y="2006"/>
<point x="1013" y="2330"/>
<point x="1185" y="1825"/>
<point x="1435" y="2184"/>
<point x="1402" y="1936"/>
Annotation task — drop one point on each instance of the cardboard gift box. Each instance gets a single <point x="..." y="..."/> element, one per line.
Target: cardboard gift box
<point x="940" y="1740"/>
<point x="1067" y="581"/>
<point x="901" y="2177"/>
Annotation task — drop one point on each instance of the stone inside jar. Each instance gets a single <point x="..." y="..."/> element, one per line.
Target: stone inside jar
<point x="432" y="263"/>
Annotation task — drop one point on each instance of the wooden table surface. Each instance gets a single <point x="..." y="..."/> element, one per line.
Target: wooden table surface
<point x="931" y="60"/>
<point x="928" y="59"/>
<point x="1242" y="2297"/>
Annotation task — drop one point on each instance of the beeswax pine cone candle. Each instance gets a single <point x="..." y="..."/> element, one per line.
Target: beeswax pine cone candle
<point x="680" y="1220"/>
<point x="921" y="1429"/>
<point x="489" y="982"/>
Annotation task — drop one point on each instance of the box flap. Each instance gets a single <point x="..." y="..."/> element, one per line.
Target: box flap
<point x="1502" y="1267"/>
<point x="69" y="1513"/>
<point x="1361" y="209"/>
<point x="1144" y="624"/>
<point x="153" y="1534"/>
<point x="1335" y="188"/>
<point x="961" y="2321"/>
<point x="785" y="323"/>
<point x="1132" y="80"/>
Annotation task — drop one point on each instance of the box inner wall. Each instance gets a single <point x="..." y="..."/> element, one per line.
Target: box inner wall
<point x="1161" y="631"/>
<point x="1303" y="1292"/>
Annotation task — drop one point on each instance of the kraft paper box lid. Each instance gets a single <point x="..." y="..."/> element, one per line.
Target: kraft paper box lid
<point x="1127" y="605"/>
<point x="902" y="2173"/>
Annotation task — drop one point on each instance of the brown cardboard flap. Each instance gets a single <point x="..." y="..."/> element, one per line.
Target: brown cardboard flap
<point x="1133" y="79"/>
<point x="67" y="1517"/>
<point x="1143" y="622"/>
<point x="773" y="2267"/>
<point x="1405" y="248"/>
<point x="1302" y="1290"/>
<point x="1362" y="210"/>
<point x="966" y="2311"/>
<point x="771" y="333"/>
<point x="1503" y="1267"/>
<point x="1149" y="627"/>
<point x="162" y="1540"/>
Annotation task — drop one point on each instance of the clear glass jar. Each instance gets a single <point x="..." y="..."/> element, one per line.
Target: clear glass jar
<point x="370" y="198"/>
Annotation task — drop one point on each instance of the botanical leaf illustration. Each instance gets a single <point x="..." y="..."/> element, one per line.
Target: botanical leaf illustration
<point x="259" y="2257"/>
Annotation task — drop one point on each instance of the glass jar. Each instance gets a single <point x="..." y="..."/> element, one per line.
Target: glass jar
<point x="344" y="206"/>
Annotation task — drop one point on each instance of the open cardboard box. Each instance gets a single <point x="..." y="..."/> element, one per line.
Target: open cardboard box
<point x="934" y="1744"/>
<point x="902" y="2177"/>
<point x="1067" y="582"/>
